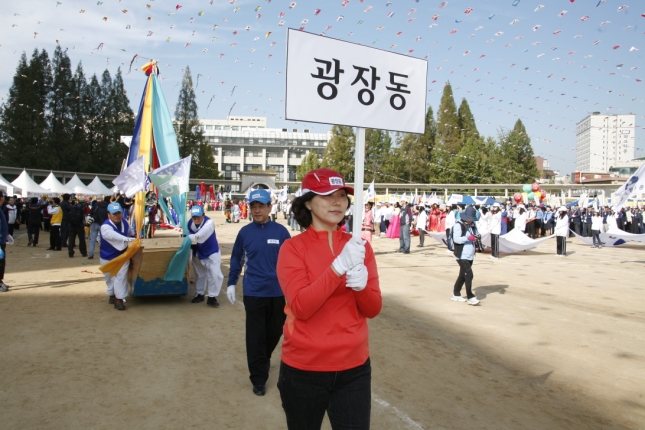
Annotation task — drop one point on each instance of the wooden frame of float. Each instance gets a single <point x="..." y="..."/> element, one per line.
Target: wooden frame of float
<point x="149" y="264"/>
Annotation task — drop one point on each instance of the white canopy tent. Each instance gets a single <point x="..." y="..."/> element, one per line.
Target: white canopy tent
<point x="78" y="187"/>
<point x="98" y="187"/>
<point x="6" y="185"/>
<point x="28" y="186"/>
<point x="52" y="184"/>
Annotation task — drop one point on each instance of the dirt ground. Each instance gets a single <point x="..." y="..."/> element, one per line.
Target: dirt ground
<point x="557" y="343"/>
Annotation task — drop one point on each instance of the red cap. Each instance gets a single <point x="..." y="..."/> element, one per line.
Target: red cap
<point x="324" y="182"/>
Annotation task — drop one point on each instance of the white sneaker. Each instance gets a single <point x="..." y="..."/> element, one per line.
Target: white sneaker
<point x="473" y="301"/>
<point x="458" y="299"/>
<point x="449" y="251"/>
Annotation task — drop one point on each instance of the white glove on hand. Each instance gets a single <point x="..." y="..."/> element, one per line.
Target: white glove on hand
<point x="230" y="293"/>
<point x="357" y="277"/>
<point x="128" y="239"/>
<point x="353" y="253"/>
<point x="192" y="238"/>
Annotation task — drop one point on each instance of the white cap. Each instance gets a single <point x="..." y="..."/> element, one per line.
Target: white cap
<point x="521" y="207"/>
<point x="496" y="205"/>
<point x="562" y="209"/>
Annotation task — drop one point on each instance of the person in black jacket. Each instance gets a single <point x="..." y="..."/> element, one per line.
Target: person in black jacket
<point x="76" y="227"/>
<point x="64" y="228"/>
<point x="34" y="221"/>
<point x="99" y="213"/>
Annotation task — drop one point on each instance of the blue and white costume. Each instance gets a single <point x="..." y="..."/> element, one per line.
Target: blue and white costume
<point x="114" y="242"/>
<point x="206" y="257"/>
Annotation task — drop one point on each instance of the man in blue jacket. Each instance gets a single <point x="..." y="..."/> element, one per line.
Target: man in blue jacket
<point x="256" y="248"/>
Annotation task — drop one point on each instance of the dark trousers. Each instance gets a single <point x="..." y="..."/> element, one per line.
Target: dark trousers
<point x="76" y="230"/>
<point x="596" y="237"/>
<point x="530" y="229"/>
<point x="382" y="226"/>
<point x="64" y="233"/>
<point x="264" y="321"/>
<point x="449" y="239"/>
<point x="576" y="227"/>
<point x="3" y="262"/>
<point x="561" y="245"/>
<point x="47" y="225"/>
<point x="33" y="232"/>
<point x="465" y="277"/>
<point x="54" y="237"/>
<point x="494" y="244"/>
<point x="345" y="396"/>
<point x="422" y="235"/>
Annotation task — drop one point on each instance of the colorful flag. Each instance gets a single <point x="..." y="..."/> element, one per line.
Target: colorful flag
<point x="172" y="179"/>
<point x="132" y="179"/>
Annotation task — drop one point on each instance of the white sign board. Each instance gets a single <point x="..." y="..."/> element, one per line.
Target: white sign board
<point x="335" y="82"/>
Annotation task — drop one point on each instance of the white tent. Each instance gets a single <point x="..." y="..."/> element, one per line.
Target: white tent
<point x="6" y="185"/>
<point x="98" y="187"/>
<point x="78" y="187"/>
<point x="52" y="184"/>
<point x="28" y="186"/>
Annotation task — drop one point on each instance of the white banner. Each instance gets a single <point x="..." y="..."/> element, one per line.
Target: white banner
<point x="172" y="179"/>
<point x="634" y="185"/>
<point x="132" y="179"/>
<point x="335" y="82"/>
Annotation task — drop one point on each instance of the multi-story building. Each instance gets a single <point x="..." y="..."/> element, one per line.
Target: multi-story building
<point x="245" y="144"/>
<point x="603" y="141"/>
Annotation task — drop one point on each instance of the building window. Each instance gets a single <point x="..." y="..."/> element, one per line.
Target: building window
<point x="209" y="127"/>
<point x="274" y="154"/>
<point x="231" y="171"/>
<point x="253" y="153"/>
<point x="252" y="167"/>
<point x="231" y="152"/>
<point x="218" y="127"/>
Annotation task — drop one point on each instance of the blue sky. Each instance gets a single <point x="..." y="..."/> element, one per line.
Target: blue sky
<point x="548" y="62"/>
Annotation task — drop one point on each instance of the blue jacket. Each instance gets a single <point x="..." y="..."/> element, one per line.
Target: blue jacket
<point x="257" y="247"/>
<point x="468" y="253"/>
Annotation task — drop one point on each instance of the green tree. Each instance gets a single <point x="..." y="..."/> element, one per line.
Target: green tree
<point x="467" y="125"/>
<point x="472" y="165"/>
<point x="378" y="146"/>
<point x="92" y="102"/>
<point x="78" y="121"/>
<point x="517" y="155"/>
<point x="309" y="163"/>
<point x="23" y="127"/>
<point x="59" y="115"/>
<point x="448" y="134"/>
<point x="205" y="165"/>
<point x="339" y="154"/>
<point x="120" y="122"/>
<point x="189" y="133"/>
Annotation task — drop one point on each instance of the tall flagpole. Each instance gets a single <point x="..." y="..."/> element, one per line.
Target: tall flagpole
<point x="359" y="169"/>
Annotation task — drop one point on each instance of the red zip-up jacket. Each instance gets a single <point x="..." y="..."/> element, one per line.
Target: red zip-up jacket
<point x="326" y="327"/>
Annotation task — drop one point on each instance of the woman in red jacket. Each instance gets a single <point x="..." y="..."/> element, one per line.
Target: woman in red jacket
<point x="331" y="286"/>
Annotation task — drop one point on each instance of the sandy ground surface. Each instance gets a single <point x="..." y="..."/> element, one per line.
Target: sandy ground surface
<point x="557" y="343"/>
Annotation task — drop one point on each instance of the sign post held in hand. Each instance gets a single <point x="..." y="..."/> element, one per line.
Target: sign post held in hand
<point x="335" y="82"/>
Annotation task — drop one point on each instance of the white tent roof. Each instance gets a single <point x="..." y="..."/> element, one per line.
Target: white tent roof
<point x="28" y="185"/>
<point x="98" y="187"/>
<point x="52" y="184"/>
<point x="78" y="187"/>
<point x="6" y="185"/>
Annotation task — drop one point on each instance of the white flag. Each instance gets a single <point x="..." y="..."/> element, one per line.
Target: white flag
<point x="132" y="179"/>
<point x="283" y="194"/>
<point x="634" y="185"/>
<point x="370" y="193"/>
<point x="172" y="179"/>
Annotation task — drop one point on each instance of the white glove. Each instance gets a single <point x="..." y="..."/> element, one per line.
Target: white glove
<point x="353" y="253"/>
<point x="357" y="277"/>
<point x="9" y="240"/>
<point x="230" y="293"/>
<point x="192" y="238"/>
<point x="128" y="239"/>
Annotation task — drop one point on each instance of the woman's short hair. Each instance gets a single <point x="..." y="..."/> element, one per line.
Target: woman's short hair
<point x="300" y="212"/>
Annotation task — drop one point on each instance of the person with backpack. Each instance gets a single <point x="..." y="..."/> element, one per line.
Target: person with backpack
<point x="464" y="236"/>
<point x="76" y="227"/>
<point x="99" y="214"/>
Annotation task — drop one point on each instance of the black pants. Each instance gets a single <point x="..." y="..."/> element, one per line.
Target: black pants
<point x="3" y="262"/>
<point x="494" y="244"/>
<point x="530" y="229"/>
<point x="596" y="237"/>
<point x="345" y="396"/>
<point x="54" y="237"/>
<point x="76" y="230"/>
<point x="561" y="245"/>
<point x="64" y="233"/>
<point x="422" y="235"/>
<point x="47" y="224"/>
<point x="264" y="321"/>
<point x="576" y="227"/>
<point x="33" y="232"/>
<point x="465" y="277"/>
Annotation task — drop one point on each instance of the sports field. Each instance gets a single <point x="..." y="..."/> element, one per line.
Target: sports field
<point x="557" y="343"/>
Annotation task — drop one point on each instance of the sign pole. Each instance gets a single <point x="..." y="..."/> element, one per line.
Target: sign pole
<point x="359" y="170"/>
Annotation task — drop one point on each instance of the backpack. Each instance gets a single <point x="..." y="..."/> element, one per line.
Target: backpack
<point x="459" y="247"/>
<point x="76" y="216"/>
<point x="99" y="213"/>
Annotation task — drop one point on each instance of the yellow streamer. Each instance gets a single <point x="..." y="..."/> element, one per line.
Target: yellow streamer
<point x="113" y="266"/>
